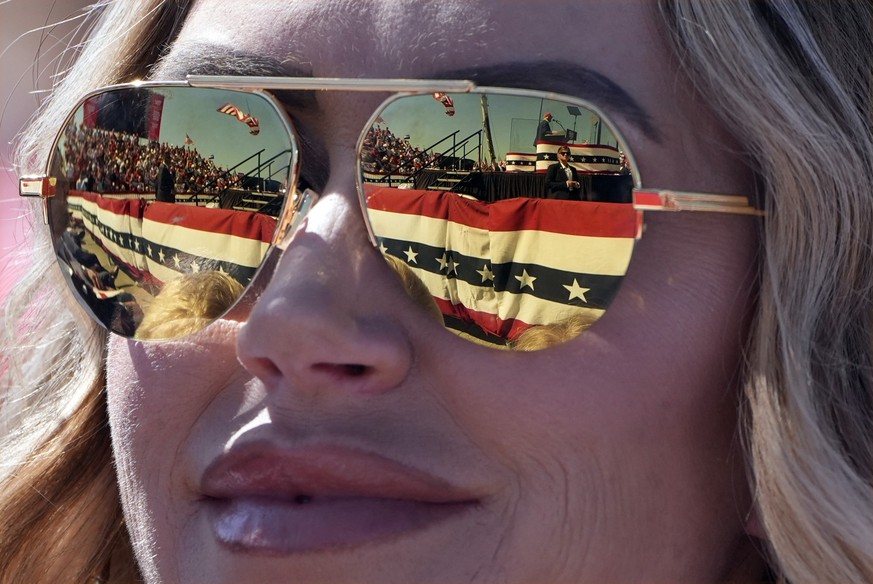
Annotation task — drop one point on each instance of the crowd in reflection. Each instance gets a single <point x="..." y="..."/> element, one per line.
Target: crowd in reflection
<point x="383" y="152"/>
<point x="96" y="284"/>
<point x="106" y="161"/>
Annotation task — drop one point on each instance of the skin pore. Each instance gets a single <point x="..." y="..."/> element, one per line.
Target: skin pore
<point x="612" y="457"/>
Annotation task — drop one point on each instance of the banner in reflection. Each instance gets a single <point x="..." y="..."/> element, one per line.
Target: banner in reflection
<point x="155" y="242"/>
<point x="483" y="262"/>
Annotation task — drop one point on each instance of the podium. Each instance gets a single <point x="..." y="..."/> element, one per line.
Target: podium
<point x="561" y="136"/>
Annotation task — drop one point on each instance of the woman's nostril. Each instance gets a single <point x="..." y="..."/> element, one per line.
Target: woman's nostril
<point x="342" y="369"/>
<point x="355" y="370"/>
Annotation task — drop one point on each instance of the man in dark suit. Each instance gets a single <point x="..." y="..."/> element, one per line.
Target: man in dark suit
<point x="165" y="184"/>
<point x="562" y="180"/>
<point x="544" y="128"/>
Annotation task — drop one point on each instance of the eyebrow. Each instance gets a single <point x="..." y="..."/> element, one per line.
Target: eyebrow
<point x="198" y="58"/>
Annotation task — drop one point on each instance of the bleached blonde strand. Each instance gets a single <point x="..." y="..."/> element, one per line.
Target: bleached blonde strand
<point x="793" y="80"/>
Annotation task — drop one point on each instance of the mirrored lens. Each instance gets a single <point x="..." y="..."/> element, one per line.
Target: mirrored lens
<point x="489" y="230"/>
<point x="166" y="203"/>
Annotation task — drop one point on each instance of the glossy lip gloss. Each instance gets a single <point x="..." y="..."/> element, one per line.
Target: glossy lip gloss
<point x="272" y="501"/>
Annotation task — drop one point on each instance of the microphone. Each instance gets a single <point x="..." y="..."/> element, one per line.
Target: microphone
<point x="557" y="121"/>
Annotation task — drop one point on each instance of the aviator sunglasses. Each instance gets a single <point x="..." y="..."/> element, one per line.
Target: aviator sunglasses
<point x="165" y="199"/>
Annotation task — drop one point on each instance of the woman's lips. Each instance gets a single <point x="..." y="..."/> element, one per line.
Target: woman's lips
<point x="271" y="501"/>
<point x="280" y="526"/>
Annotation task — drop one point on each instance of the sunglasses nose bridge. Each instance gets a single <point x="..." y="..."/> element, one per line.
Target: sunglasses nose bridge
<point x="343" y="116"/>
<point x="336" y="167"/>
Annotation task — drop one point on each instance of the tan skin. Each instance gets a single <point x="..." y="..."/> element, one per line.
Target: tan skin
<point x="611" y="458"/>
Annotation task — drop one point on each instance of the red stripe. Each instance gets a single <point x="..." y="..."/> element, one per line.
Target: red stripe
<point x="566" y="217"/>
<point x="508" y="329"/>
<point x="132" y="208"/>
<point x="582" y="170"/>
<point x="222" y="221"/>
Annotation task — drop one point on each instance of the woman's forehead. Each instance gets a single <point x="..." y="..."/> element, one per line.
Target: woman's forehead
<point x="417" y="38"/>
<point x="620" y="40"/>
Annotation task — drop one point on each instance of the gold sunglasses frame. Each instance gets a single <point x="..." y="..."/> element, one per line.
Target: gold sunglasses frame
<point x="644" y="199"/>
<point x="297" y="203"/>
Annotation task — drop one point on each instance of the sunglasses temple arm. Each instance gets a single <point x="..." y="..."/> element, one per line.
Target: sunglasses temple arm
<point x="666" y="200"/>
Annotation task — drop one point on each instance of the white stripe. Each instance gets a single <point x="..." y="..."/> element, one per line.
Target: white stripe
<point x="217" y="246"/>
<point x="164" y="273"/>
<point x="608" y="256"/>
<point x="572" y="253"/>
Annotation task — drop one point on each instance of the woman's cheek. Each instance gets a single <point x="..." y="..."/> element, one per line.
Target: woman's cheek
<point x="156" y="392"/>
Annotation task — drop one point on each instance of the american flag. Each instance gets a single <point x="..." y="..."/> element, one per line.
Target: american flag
<point x="447" y="102"/>
<point x="249" y="120"/>
<point x="155" y="242"/>
<point x="508" y="265"/>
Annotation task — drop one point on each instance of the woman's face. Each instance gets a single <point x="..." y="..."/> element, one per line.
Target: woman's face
<point x="340" y="435"/>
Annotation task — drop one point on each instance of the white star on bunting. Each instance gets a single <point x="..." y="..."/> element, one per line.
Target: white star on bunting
<point x="486" y="273"/>
<point x="442" y="262"/>
<point x="526" y="280"/>
<point x="411" y="256"/>
<point x="577" y="291"/>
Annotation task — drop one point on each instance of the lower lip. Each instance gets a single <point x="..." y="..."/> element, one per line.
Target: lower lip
<point x="278" y="527"/>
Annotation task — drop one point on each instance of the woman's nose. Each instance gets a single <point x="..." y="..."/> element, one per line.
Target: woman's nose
<point x="327" y="320"/>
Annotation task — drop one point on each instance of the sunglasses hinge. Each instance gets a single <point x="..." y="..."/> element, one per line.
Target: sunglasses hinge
<point x="38" y="186"/>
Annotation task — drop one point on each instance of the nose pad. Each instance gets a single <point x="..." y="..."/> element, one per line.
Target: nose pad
<point x="294" y="215"/>
<point x="325" y="322"/>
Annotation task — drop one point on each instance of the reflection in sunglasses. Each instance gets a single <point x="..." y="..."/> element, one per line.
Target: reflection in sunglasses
<point x="164" y="200"/>
<point x="509" y="258"/>
<point x="188" y="303"/>
<point x="176" y="192"/>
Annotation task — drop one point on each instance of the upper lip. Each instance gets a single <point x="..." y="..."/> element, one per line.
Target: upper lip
<point x="263" y="469"/>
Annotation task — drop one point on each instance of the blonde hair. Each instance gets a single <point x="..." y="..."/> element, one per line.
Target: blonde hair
<point x="62" y="520"/>
<point x="548" y="335"/>
<point x="188" y="303"/>
<point x="792" y="78"/>
<point x="415" y="288"/>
